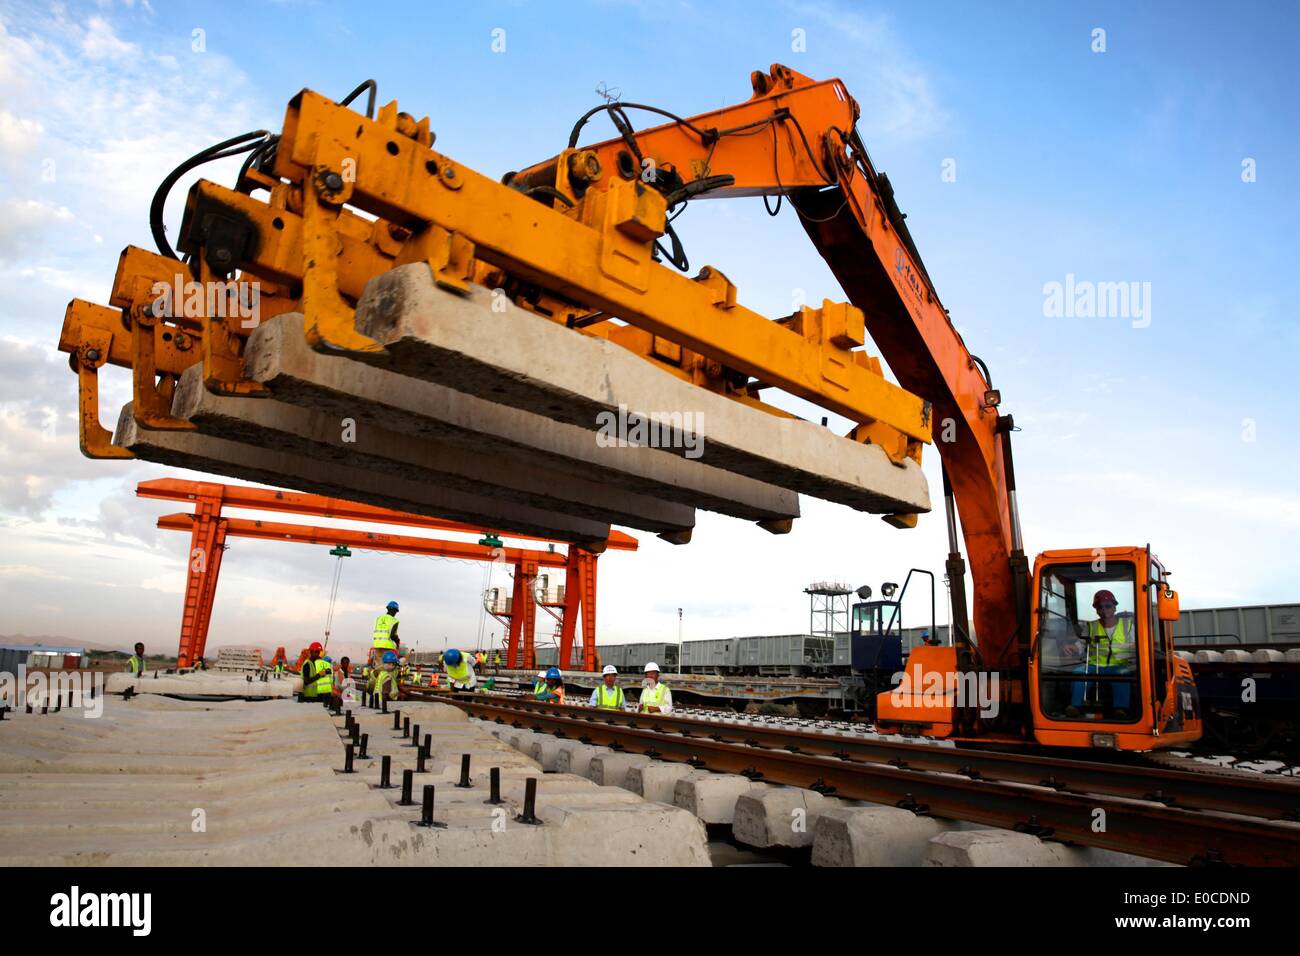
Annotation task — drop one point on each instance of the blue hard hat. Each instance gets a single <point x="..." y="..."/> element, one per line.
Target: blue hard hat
<point x="392" y="606"/>
<point x="390" y="657"/>
<point x="553" y="673"/>
<point x="327" y="659"/>
<point x="452" y="656"/>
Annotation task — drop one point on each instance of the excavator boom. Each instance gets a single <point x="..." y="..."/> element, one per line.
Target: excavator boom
<point x="796" y="138"/>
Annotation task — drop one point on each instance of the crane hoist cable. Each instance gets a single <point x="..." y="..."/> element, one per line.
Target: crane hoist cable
<point x="482" y="611"/>
<point x="340" y="552"/>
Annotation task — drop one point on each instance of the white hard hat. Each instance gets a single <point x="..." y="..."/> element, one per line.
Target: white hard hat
<point x="652" y="666"/>
<point x="610" y="669"/>
<point x="541" y="675"/>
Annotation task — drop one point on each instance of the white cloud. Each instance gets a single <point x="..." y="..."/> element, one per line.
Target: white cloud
<point x="168" y="583"/>
<point x="24" y="224"/>
<point x="30" y="571"/>
<point x="107" y="118"/>
<point x="99" y="41"/>
<point x="38" y="429"/>
<point x="19" y="138"/>
<point x="895" y="92"/>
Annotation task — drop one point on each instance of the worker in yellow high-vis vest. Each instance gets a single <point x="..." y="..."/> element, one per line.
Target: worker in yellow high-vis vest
<point x="608" y="695"/>
<point x="317" y="675"/>
<point x="460" y="673"/>
<point x="383" y="636"/>
<point x="386" y="676"/>
<point x="137" y="662"/>
<point x="656" y="698"/>
<point x="1109" y="647"/>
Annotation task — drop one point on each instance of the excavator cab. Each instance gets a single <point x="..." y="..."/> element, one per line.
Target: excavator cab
<point x="1102" y="668"/>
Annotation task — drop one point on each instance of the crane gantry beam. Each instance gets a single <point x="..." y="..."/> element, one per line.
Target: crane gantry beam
<point x="209" y="529"/>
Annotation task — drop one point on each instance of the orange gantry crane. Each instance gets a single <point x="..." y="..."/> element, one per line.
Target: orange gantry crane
<point x="209" y="528"/>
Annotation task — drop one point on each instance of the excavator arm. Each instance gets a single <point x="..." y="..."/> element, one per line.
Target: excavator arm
<point x="796" y="138"/>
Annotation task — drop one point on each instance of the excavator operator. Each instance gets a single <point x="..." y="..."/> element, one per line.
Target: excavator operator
<point x="1107" y="648"/>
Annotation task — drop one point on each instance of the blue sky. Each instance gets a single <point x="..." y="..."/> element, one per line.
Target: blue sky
<point x="1115" y="166"/>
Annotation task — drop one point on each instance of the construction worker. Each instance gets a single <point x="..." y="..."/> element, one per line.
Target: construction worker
<point x="279" y="667"/>
<point x="608" y="695"/>
<point x="137" y="662"/>
<point x="496" y="660"/>
<point x="539" y="684"/>
<point x="552" y="691"/>
<point x="460" y="673"/>
<point x="317" y="674"/>
<point x="386" y="676"/>
<point x="384" y="636"/>
<point x="1107" y="648"/>
<point x="656" y="698"/>
<point x="343" y="682"/>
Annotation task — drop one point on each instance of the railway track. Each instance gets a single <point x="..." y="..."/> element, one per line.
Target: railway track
<point x="1177" y="816"/>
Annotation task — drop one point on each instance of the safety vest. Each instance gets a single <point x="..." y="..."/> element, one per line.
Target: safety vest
<point x="386" y="677"/>
<point x="549" y="696"/>
<point x="459" y="673"/>
<point x="653" y="698"/>
<point x="382" y="636"/>
<point x="539" y="688"/>
<point x="1115" y="649"/>
<point x="136" y="664"/>
<point x="610" y="698"/>
<point x="318" y="678"/>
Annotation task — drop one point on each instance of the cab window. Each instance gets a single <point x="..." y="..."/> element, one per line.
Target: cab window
<point x="1087" y="643"/>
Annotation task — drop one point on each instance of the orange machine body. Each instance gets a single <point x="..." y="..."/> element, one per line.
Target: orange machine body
<point x="1071" y="694"/>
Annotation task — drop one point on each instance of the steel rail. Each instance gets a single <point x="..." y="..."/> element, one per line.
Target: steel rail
<point x="1272" y="798"/>
<point x="1115" y="823"/>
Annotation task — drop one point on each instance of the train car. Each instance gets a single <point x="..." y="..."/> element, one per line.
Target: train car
<point x="794" y="654"/>
<point x="717" y="656"/>
<point x="615" y="654"/>
<point x="1251" y="626"/>
<point x="636" y="656"/>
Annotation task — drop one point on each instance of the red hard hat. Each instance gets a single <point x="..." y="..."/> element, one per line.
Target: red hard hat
<point x="315" y="646"/>
<point x="1103" y="596"/>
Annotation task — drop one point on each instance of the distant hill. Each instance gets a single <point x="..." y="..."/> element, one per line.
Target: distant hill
<point x="57" y="641"/>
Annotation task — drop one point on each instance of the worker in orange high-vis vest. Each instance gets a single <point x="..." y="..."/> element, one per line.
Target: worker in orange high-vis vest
<point x="552" y="688"/>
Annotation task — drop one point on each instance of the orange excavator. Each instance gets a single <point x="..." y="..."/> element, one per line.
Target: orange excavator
<point x="1073" y="650"/>
<point x="1037" y="668"/>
